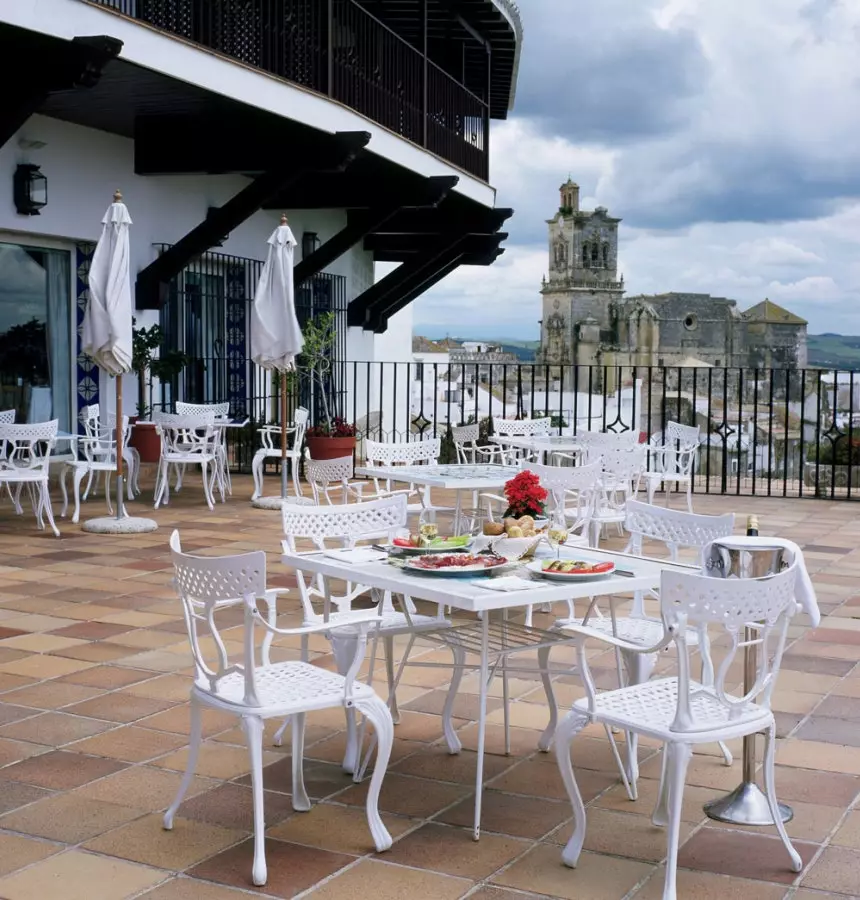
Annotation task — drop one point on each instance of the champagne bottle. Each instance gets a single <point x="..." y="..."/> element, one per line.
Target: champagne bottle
<point x="752" y="526"/>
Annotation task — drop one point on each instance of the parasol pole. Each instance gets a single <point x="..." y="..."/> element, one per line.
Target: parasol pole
<point x="117" y="198"/>
<point x="283" y="417"/>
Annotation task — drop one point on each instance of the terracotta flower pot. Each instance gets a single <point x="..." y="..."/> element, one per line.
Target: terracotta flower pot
<point x="145" y="439"/>
<point x="330" y="447"/>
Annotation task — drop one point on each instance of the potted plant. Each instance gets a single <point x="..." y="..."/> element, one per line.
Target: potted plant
<point x="329" y="437"/>
<point x="526" y="504"/>
<point x="166" y="365"/>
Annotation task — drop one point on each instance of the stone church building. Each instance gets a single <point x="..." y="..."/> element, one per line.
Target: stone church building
<point x="587" y="320"/>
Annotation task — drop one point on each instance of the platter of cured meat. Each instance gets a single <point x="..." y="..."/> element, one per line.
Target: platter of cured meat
<point x="456" y="565"/>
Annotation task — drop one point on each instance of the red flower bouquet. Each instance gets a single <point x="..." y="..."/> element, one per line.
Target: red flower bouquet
<point x="525" y="496"/>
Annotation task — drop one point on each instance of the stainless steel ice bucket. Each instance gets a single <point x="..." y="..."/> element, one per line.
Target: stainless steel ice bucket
<point x="744" y="562"/>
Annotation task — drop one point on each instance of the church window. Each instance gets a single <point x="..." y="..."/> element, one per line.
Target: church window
<point x="595" y="254"/>
<point x="691" y="322"/>
<point x="586" y="254"/>
<point x="606" y="256"/>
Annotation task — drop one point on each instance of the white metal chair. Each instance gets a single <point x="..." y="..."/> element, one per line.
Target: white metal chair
<point x="680" y="712"/>
<point x="25" y="459"/>
<point x="97" y="456"/>
<point x="271" y="449"/>
<point x="221" y="413"/>
<point x="327" y="475"/>
<point x="188" y="441"/>
<point x="405" y="453"/>
<point x="94" y="429"/>
<point x="254" y="689"/>
<point x="503" y="428"/>
<point x="621" y="468"/>
<point x="469" y="452"/>
<point x="346" y="525"/>
<point x="675" y="529"/>
<point x="671" y="456"/>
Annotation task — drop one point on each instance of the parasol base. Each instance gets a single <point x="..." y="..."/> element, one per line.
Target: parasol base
<point x="746" y="805"/>
<point x="275" y="503"/>
<point x="112" y="525"/>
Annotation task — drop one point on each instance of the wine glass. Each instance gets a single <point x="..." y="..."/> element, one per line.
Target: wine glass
<point x="557" y="532"/>
<point x="427" y="527"/>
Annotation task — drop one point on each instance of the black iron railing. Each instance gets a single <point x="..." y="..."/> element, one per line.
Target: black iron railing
<point x="763" y="432"/>
<point x="337" y="48"/>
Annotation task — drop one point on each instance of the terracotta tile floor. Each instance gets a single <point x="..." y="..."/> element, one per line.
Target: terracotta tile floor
<point x="94" y="677"/>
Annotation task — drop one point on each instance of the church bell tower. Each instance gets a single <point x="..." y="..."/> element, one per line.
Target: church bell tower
<point x="582" y="280"/>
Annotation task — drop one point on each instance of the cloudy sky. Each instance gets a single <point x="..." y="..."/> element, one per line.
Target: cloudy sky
<point x="726" y="135"/>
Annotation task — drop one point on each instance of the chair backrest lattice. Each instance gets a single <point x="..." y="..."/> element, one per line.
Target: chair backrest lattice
<point x="624" y="463"/>
<point x="218" y="410"/>
<point x="7" y="416"/>
<point x="753" y="611"/>
<point x="409" y="453"/>
<point x="674" y="528"/>
<point x="522" y="427"/>
<point x="345" y="525"/>
<point x="187" y="435"/>
<point x="323" y="474"/>
<point x="207" y="585"/>
<point x="26" y="448"/>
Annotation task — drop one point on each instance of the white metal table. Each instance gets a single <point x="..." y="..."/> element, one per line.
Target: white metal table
<point x="484" y="637"/>
<point x="457" y="477"/>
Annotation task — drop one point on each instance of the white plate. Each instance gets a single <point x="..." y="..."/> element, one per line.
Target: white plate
<point x="537" y="567"/>
<point x="423" y="551"/>
<point x="455" y="571"/>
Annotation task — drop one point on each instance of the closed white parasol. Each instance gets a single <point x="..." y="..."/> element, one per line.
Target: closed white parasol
<point x="276" y="338"/>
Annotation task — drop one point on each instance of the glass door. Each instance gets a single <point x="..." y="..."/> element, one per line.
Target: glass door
<point x="36" y="333"/>
<point x="205" y="319"/>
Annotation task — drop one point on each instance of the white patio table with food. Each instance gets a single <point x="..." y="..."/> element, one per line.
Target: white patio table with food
<point x="485" y="584"/>
<point x="456" y="477"/>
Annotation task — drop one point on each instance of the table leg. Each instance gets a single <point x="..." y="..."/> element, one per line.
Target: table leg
<point x="482" y="722"/>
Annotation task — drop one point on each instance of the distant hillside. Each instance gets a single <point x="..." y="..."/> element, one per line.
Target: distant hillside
<point x="834" y="351"/>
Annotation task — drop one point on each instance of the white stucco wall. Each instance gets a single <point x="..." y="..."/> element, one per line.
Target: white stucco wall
<point x="84" y="167"/>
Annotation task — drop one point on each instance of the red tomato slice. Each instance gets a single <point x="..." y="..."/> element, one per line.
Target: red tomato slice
<point x="402" y="542"/>
<point x="602" y="567"/>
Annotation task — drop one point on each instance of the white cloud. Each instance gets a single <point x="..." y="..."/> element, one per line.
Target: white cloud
<point x="724" y="134"/>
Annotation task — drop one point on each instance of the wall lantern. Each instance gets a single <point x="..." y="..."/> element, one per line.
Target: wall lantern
<point x="30" y="189"/>
<point x="310" y="242"/>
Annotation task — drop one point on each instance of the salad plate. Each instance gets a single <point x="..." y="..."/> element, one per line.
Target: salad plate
<point x="406" y="546"/>
<point x="571" y="569"/>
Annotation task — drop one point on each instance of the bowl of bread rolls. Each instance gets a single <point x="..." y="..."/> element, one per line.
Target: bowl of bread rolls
<point x="515" y="538"/>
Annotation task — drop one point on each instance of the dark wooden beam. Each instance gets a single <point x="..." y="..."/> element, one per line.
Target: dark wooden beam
<point x="398" y="281"/>
<point x="432" y="192"/>
<point x="334" y="152"/>
<point x="384" y="245"/>
<point x="446" y="217"/>
<point x="30" y="77"/>
<point x="426" y="275"/>
<point x="365" y="186"/>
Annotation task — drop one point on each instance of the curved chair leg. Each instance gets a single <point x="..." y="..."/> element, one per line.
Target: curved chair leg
<point x="45" y="506"/>
<point x="660" y="816"/>
<point x="728" y="758"/>
<point x="278" y="740"/>
<point x="451" y="738"/>
<point x="379" y="716"/>
<point x="690" y="494"/>
<point x="63" y="472"/>
<point x="77" y="478"/>
<point x="770" y="790"/>
<point x="257" y="473"/>
<point x="301" y="803"/>
<point x="388" y="645"/>
<point x="253" y="727"/>
<point x="343" y="648"/>
<point x="545" y="740"/>
<point x="207" y="487"/>
<point x="161" y="486"/>
<point x="570" y="726"/>
<point x="16" y="498"/>
<point x="195" y="735"/>
<point x="89" y="484"/>
<point x="679" y="758"/>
